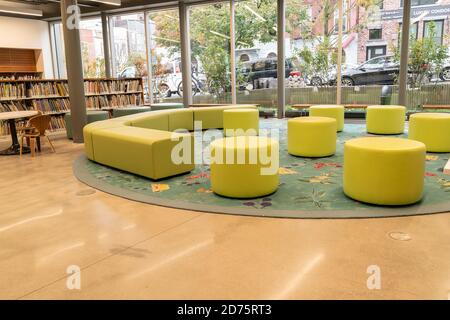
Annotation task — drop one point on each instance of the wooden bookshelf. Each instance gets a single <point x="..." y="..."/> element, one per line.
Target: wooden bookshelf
<point x="51" y="96"/>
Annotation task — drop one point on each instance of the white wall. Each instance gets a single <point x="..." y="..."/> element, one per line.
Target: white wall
<point x="29" y="34"/>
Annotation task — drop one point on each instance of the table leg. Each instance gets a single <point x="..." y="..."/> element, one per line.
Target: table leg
<point x="14" y="149"/>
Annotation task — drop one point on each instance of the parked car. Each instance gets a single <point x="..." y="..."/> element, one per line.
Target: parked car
<point x="265" y="68"/>
<point x="380" y="70"/>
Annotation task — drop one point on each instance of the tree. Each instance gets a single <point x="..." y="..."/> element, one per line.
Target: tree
<point x="255" y="22"/>
<point x="425" y="57"/>
<point x="320" y="58"/>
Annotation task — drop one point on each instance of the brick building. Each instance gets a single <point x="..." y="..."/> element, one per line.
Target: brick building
<point x="382" y="35"/>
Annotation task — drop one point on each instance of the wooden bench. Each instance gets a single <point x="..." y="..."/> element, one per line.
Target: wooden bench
<point x="436" y="106"/>
<point x="346" y="106"/>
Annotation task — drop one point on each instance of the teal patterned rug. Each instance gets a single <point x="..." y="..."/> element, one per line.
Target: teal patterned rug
<point x="309" y="188"/>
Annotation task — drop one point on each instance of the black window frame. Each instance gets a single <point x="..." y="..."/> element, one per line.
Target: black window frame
<point x="442" y="21"/>
<point x="368" y="48"/>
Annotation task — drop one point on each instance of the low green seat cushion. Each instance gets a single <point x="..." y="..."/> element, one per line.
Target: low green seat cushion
<point x="181" y="119"/>
<point x="166" y="106"/>
<point x="212" y="117"/>
<point x="145" y="152"/>
<point x="90" y="129"/>
<point x="91" y="116"/>
<point x="120" y="112"/>
<point x="157" y="121"/>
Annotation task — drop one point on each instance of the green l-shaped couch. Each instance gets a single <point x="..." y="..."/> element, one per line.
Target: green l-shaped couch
<point x="142" y="143"/>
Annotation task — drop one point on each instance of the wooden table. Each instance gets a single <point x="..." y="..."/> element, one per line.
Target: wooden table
<point x="11" y="117"/>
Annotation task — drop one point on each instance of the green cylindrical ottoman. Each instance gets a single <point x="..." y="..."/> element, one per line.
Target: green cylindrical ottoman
<point x="165" y="106"/>
<point x="92" y="116"/>
<point x="120" y="112"/>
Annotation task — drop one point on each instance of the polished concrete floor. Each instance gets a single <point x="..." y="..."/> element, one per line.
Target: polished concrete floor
<point x="51" y="225"/>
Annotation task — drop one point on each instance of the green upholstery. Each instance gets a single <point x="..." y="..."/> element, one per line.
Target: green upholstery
<point x="158" y="121"/>
<point x="120" y="112"/>
<point x="211" y="118"/>
<point x="182" y="119"/>
<point x="166" y="106"/>
<point x="92" y="116"/>
<point x="142" y="143"/>
<point x="145" y="152"/>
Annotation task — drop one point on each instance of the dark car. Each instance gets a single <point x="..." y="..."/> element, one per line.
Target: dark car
<point x="264" y="68"/>
<point x="379" y="70"/>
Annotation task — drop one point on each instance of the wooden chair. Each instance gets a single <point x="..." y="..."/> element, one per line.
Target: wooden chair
<point x="36" y="128"/>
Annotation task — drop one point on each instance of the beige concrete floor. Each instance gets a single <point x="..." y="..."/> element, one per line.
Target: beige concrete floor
<point x="50" y="221"/>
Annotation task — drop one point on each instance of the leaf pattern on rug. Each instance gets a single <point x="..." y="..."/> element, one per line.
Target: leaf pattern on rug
<point x="160" y="187"/>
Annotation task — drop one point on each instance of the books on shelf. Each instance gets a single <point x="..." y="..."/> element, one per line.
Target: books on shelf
<point x="39" y="89"/>
<point x="125" y="100"/>
<point x="52" y="96"/>
<point x="8" y="106"/>
<point x="57" y="123"/>
<point x="12" y="90"/>
<point x="51" y="105"/>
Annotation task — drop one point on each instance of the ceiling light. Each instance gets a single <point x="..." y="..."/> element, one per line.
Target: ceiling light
<point x="111" y="2"/>
<point x="21" y="11"/>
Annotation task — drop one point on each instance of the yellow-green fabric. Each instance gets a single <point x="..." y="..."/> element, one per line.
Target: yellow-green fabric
<point x="433" y="129"/>
<point x="212" y="117"/>
<point x="141" y="143"/>
<point x="241" y="122"/>
<point x="181" y="119"/>
<point x="91" y="128"/>
<point x="153" y="120"/>
<point x="385" y="119"/>
<point x="384" y="171"/>
<point x="312" y="136"/>
<point x="245" y="178"/>
<point x="145" y="152"/>
<point x="329" y="110"/>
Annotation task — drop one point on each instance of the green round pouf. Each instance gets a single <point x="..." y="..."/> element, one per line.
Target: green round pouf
<point x="120" y="112"/>
<point x="166" y="106"/>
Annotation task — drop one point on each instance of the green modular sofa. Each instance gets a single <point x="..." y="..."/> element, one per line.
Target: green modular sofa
<point x="142" y="143"/>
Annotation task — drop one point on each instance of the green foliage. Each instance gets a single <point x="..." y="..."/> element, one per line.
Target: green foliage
<point x="425" y="57"/>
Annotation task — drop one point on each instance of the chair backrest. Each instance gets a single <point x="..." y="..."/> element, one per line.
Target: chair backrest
<point x="41" y="123"/>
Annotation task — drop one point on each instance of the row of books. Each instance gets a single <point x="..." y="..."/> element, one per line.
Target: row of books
<point x="7" y="106"/>
<point x="14" y="76"/>
<point x="51" y="105"/>
<point x="12" y="90"/>
<point x="57" y="123"/>
<point x="48" y="89"/>
<point x="126" y="100"/>
<point x="112" y="86"/>
<point x="63" y="104"/>
<point x="97" y="102"/>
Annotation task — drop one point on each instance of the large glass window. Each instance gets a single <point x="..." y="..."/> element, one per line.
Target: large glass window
<point x="256" y="52"/>
<point x="91" y="38"/>
<point x="164" y="54"/>
<point x="434" y="30"/>
<point x="210" y="52"/>
<point x="91" y="41"/>
<point x="128" y="45"/>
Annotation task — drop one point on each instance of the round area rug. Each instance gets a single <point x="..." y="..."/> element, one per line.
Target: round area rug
<point x="309" y="188"/>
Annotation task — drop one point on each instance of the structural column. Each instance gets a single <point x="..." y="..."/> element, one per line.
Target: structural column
<point x="185" y="54"/>
<point x="106" y="47"/>
<point x="148" y="50"/>
<point x="339" y="54"/>
<point x="70" y="21"/>
<point x="233" y="53"/>
<point x="281" y="64"/>
<point x="404" y="52"/>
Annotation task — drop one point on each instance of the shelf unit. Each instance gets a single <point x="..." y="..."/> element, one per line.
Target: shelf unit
<point x="51" y="96"/>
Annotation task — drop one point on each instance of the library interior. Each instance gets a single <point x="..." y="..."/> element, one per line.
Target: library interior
<point x="225" y="149"/>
